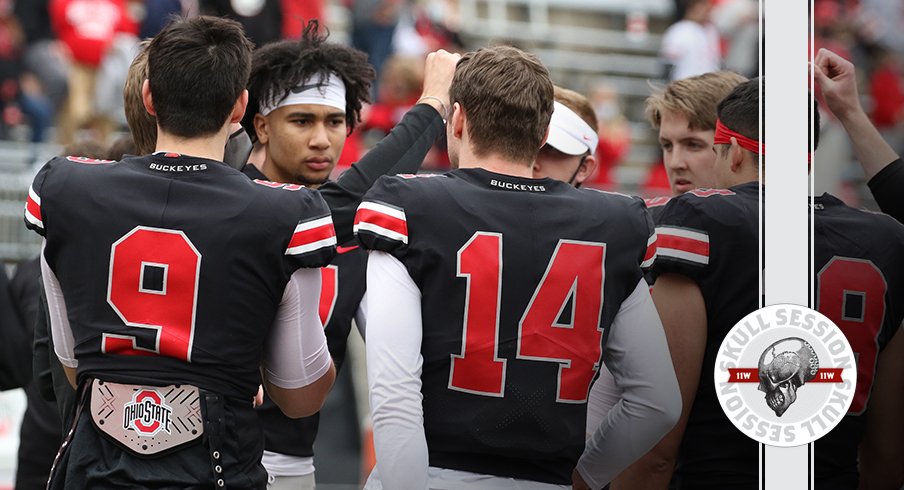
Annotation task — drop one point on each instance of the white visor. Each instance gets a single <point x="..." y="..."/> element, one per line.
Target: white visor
<point x="328" y="91"/>
<point x="569" y="133"/>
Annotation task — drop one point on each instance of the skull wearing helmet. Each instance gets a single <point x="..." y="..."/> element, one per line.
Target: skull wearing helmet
<point x="784" y="367"/>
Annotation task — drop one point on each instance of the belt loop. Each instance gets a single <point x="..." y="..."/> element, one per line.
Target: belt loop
<point x="214" y="427"/>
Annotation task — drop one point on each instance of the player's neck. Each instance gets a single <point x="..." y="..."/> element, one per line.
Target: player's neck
<point x="210" y="147"/>
<point x="744" y="176"/>
<point x="496" y="163"/>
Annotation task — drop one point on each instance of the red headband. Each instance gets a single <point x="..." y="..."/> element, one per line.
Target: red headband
<point x="723" y="137"/>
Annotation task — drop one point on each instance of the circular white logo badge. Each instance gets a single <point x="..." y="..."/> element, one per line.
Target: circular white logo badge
<point x="785" y="375"/>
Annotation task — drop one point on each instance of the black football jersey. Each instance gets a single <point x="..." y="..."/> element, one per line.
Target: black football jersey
<point x="520" y="281"/>
<point x="859" y="281"/>
<point x="343" y="285"/>
<point x="656" y="205"/>
<point x="711" y="236"/>
<point x="173" y="267"/>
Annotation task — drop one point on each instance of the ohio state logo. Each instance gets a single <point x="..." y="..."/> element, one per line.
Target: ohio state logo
<point x="147" y="414"/>
<point x="785" y="375"/>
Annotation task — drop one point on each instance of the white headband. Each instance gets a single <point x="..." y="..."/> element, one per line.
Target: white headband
<point x="569" y="133"/>
<point x="329" y="91"/>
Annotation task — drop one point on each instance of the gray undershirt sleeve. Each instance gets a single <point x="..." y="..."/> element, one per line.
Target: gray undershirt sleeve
<point x="637" y="355"/>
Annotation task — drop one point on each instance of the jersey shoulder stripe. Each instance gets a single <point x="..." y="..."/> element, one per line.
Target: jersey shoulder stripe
<point x="655" y="202"/>
<point x="382" y="219"/>
<point x="88" y="161"/>
<point x="652" y="250"/>
<point x="33" y="209"/>
<point x="683" y="244"/>
<point x="706" y="192"/>
<point x="311" y="235"/>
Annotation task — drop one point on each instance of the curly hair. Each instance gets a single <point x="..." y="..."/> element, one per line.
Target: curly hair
<point x="278" y="67"/>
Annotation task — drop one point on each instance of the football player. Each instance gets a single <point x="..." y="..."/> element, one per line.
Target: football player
<point x="684" y="115"/>
<point x="487" y="308"/>
<point x="859" y="286"/>
<point x="707" y="279"/>
<point x="173" y="282"/>
<point x="569" y="154"/>
<point x="310" y="93"/>
<point x="143" y="126"/>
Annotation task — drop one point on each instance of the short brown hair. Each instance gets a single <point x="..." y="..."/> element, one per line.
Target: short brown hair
<point x="142" y="124"/>
<point x="508" y="99"/>
<point x="577" y="103"/>
<point x="197" y="69"/>
<point x="695" y="98"/>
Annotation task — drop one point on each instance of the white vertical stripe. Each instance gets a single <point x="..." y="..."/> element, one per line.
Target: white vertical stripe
<point x="785" y="129"/>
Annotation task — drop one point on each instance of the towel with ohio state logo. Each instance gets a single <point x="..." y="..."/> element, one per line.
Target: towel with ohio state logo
<point x="503" y="261"/>
<point x="712" y="237"/>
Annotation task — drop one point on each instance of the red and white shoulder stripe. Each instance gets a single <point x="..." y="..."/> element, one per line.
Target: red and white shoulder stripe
<point x="655" y="202"/>
<point x="683" y="244"/>
<point x="33" y="209"/>
<point x="311" y="235"/>
<point x="650" y="256"/>
<point x="383" y="220"/>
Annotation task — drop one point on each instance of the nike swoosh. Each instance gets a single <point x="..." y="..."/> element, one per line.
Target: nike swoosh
<point x="345" y="250"/>
<point x="301" y="88"/>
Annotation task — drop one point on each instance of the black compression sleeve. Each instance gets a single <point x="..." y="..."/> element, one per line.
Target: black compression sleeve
<point x="886" y="187"/>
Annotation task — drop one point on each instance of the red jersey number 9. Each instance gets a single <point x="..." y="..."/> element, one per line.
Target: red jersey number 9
<point x="153" y="285"/>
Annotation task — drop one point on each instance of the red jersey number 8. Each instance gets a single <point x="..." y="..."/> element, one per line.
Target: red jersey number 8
<point x="841" y="278"/>
<point x="153" y="285"/>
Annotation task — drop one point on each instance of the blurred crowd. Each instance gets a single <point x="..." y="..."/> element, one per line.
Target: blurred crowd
<point x="63" y="63"/>
<point x="868" y="33"/>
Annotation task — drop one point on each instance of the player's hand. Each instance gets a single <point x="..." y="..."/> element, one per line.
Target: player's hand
<point x="438" y="72"/>
<point x="837" y="79"/>
<point x="577" y="481"/>
<point x="259" y="397"/>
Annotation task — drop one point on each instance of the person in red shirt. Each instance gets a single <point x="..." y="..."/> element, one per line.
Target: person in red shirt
<point x="87" y="28"/>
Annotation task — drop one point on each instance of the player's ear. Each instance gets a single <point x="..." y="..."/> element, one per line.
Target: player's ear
<point x="457" y="121"/>
<point x="588" y="166"/>
<point x="736" y="154"/>
<point x="238" y="111"/>
<point x="545" y="137"/>
<point x="146" y="97"/>
<point x="260" y="127"/>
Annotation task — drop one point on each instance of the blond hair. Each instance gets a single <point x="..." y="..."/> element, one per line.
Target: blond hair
<point x="696" y="98"/>
<point x="577" y="103"/>
<point x="142" y="125"/>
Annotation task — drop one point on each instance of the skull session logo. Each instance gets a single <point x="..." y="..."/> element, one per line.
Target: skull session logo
<point x="785" y="375"/>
